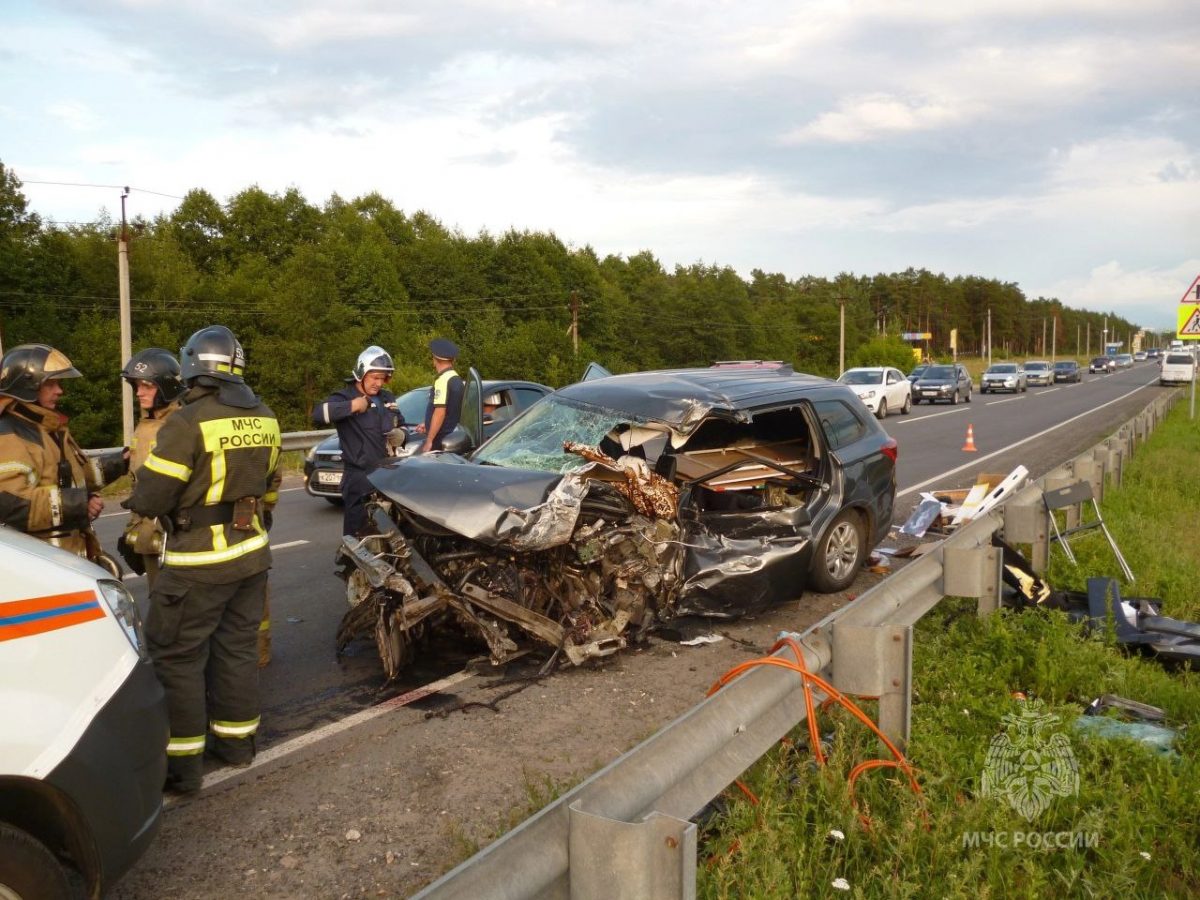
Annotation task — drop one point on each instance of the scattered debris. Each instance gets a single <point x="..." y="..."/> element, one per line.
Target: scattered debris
<point x="1155" y="737"/>
<point x="702" y="639"/>
<point x="353" y="835"/>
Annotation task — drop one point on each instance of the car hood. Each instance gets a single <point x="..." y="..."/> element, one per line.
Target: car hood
<point x="484" y="503"/>
<point x="934" y="382"/>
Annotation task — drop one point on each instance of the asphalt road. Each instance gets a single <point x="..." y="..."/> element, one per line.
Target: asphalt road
<point x="306" y="686"/>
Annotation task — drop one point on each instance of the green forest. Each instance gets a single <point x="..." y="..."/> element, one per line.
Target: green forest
<point x="306" y="287"/>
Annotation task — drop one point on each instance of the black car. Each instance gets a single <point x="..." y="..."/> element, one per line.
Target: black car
<point x="618" y="504"/>
<point x="917" y="372"/>
<point x="943" y="382"/>
<point x="1067" y="370"/>
<point x="323" y="465"/>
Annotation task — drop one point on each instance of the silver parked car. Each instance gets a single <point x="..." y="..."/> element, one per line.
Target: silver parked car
<point x="1004" y="377"/>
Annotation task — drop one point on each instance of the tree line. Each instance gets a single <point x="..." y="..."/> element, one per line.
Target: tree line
<point x="306" y="287"/>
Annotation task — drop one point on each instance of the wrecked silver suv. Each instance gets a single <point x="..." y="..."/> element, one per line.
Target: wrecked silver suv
<point x="618" y="504"/>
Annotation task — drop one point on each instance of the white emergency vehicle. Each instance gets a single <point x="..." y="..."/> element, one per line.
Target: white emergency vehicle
<point x="82" y="744"/>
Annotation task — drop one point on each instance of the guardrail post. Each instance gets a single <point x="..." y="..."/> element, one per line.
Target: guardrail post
<point x="876" y="661"/>
<point x="1026" y="523"/>
<point x="654" y="858"/>
<point x="974" y="572"/>
<point x="895" y="700"/>
<point x="1055" y="481"/>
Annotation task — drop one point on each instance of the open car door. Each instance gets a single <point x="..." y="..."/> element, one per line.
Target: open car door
<point x="593" y="371"/>
<point x="472" y="409"/>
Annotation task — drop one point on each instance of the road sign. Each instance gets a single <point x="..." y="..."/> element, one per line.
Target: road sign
<point x="1188" y="322"/>
<point x="1192" y="294"/>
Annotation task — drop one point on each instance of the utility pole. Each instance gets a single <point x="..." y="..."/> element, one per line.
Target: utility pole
<point x="575" y="322"/>
<point x="989" y="337"/>
<point x="841" y="335"/>
<point x="1053" y="337"/>
<point x="126" y="340"/>
<point x="1089" y="339"/>
<point x="1043" y="335"/>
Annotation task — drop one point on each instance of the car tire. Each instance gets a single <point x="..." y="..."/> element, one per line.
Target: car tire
<point x="954" y="398"/>
<point x="969" y="395"/>
<point x="881" y="412"/>
<point x="28" y="868"/>
<point x="839" y="554"/>
<point x="983" y="390"/>
<point x="907" y="407"/>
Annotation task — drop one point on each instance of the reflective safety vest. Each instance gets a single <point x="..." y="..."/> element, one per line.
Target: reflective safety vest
<point x="222" y="447"/>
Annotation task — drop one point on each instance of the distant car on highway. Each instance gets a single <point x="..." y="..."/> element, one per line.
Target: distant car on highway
<point x="1102" y="365"/>
<point x="1067" y="370"/>
<point x="1140" y="356"/>
<point x="1004" y="377"/>
<point x="1039" y="372"/>
<point x="1154" y="353"/>
<point x="323" y="465"/>
<point x="945" y="382"/>
<point x="881" y="388"/>
<point x="1124" y="360"/>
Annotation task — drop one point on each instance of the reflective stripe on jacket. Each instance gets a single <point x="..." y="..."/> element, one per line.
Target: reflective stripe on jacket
<point x="222" y="446"/>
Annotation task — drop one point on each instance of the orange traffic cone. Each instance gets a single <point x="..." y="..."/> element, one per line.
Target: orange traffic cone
<point x="969" y="446"/>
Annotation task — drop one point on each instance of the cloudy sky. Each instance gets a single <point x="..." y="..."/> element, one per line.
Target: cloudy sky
<point x="1051" y="143"/>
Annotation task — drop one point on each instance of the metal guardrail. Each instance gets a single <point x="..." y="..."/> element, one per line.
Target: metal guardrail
<point x="624" y="832"/>
<point x="292" y="440"/>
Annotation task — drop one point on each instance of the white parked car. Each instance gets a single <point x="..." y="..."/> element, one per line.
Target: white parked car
<point x="1177" y="368"/>
<point x="881" y="388"/>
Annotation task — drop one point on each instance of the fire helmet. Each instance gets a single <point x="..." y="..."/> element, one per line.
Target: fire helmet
<point x="158" y="366"/>
<point x="24" y="369"/>
<point x="215" y="352"/>
<point x="373" y="359"/>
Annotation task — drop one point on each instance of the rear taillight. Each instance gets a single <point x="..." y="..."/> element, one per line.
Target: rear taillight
<point x="891" y="449"/>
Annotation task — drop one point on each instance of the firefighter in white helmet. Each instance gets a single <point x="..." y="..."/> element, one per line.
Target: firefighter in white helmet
<point x="363" y="413"/>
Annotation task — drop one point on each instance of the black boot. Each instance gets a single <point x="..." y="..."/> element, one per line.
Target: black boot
<point x="237" y="752"/>
<point x="185" y="774"/>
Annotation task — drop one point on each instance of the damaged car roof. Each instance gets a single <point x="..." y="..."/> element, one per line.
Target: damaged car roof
<point x="680" y="398"/>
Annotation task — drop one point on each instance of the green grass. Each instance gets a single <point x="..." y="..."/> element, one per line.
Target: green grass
<point x="966" y="671"/>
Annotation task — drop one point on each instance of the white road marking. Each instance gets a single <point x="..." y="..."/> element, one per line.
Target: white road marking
<point x="931" y="416"/>
<point x="1048" y="391"/>
<point x="1006" y="400"/>
<point x="975" y="462"/>
<point x="312" y="737"/>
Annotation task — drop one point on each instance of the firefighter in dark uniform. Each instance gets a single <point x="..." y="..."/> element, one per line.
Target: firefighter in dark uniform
<point x="364" y="414"/>
<point x="48" y="487"/>
<point x="445" y="399"/>
<point x="212" y="479"/>
<point x="153" y="374"/>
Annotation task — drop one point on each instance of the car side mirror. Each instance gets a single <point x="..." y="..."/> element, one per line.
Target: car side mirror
<point x="458" y="441"/>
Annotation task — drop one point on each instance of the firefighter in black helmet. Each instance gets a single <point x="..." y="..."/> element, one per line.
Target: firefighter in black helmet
<point x="48" y="487"/>
<point x="213" y="479"/>
<point x="153" y="374"/>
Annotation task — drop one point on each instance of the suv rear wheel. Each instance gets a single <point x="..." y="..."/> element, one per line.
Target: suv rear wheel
<point x="840" y="554"/>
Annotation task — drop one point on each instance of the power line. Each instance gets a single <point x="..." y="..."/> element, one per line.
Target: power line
<point x="112" y="187"/>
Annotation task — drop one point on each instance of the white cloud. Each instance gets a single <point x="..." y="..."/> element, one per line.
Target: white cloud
<point x="875" y="116"/>
<point x="1110" y="286"/>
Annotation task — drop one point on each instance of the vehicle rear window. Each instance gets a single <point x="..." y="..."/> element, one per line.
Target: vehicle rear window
<point x="840" y="422"/>
<point x="1178" y="359"/>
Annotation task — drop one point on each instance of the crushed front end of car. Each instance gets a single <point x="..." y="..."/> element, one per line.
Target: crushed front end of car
<point x="573" y="561"/>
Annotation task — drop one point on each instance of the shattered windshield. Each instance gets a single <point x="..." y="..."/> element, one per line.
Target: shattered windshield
<point x="535" y="441"/>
